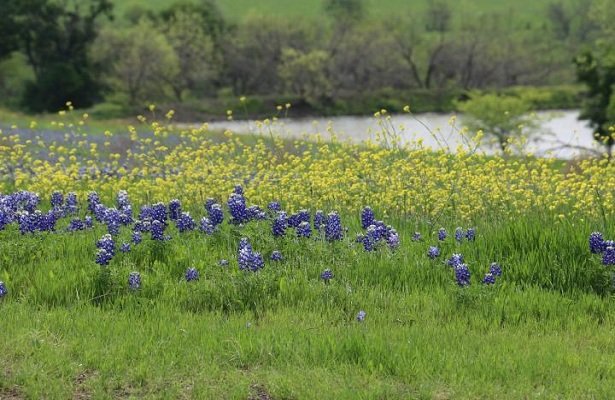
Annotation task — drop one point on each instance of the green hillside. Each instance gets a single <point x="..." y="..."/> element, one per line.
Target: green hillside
<point x="236" y="9"/>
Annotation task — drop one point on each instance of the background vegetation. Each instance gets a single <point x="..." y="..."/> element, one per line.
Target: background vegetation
<point x="325" y="57"/>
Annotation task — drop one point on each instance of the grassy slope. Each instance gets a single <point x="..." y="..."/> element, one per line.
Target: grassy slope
<point x="541" y="331"/>
<point x="236" y="9"/>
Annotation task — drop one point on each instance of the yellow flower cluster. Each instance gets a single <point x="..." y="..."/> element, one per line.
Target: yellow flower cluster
<point x="193" y="164"/>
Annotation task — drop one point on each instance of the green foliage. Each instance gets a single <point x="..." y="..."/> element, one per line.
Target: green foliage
<point x="136" y="61"/>
<point x="596" y="70"/>
<point x="55" y="37"/>
<point x="305" y="74"/>
<point x="503" y="117"/>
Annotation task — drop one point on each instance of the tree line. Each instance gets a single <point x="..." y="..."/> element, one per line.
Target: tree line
<point x="74" y="50"/>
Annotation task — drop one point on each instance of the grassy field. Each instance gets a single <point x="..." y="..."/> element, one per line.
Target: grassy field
<point x="74" y="329"/>
<point x="237" y="9"/>
<point x="543" y="330"/>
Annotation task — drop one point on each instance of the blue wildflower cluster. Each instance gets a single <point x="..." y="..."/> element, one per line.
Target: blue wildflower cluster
<point x="367" y="217"/>
<point x="185" y="222"/>
<point x="134" y="281"/>
<point x="433" y="252"/>
<point x="326" y="275"/>
<point x="279" y="224"/>
<point x="606" y="248"/>
<point x="192" y="274"/>
<point x="106" y="250"/>
<point x="361" y="316"/>
<point x="462" y="274"/>
<point x="276" y="256"/>
<point x="3" y="290"/>
<point x="175" y="209"/>
<point x="320" y="220"/>
<point x="333" y="227"/>
<point x="304" y="230"/>
<point x="376" y="232"/>
<point x="442" y="234"/>
<point x="248" y="259"/>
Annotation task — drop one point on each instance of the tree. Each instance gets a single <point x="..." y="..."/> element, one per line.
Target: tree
<point x="502" y="117"/>
<point x="55" y="37"/>
<point x="305" y="74"/>
<point x="596" y="69"/>
<point x="197" y="61"/>
<point x="136" y="61"/>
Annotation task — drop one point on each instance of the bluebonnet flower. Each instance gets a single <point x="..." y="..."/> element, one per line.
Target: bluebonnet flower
<point x="442" y="234"/>
<point x="192" y="274"/>
<point x="223" y="263"/>
<point x="93" y="201"/>
<point x="47" y="222"/>
<point x="393" y="239"/>
<point x="459" y="234"/>
<point x="75" y="225"/>
<point x="216" y="215"/>
<point x="157" y="230"/>
<point x="145" y="214"/>
<point x="209" y="202"/>
<point x="248" y="259"/>
<point x="276" y="256"/>
<point x="279" y="224"/>
<point x="320" y="220"/>
<point x="495" y="269"/>
<point x="489" y="279"/>
<point x="255" y="213"/>
<point x="71" y="203"/>
<point x="3" y="290"/>
<point x="185" y="222"/>
<point x="608" y="258"/>
<point x="238" y="190"/>
<point x="304" y="230"/>
<point x="367" y="217"/>
<point x="471" y="234"/>
<point x="100" y="211"/>
<point x="107" y="243"/>
<point x="134" y="281"/>
<point x="206" y="226"/>
<point x="416" y="237"/>
<point x="237" y="207"/>
<point x="455" y="260"/>
<point x="5" y="218"/>
<point x="136" y="237"/>
<point x="88" y="222"/>
<point x="333" y="227"/>
<point x="122" y="201"/>
<point x="462" y="274"/>
<point x="296" y="219"/>
<point x="57" y="199"/>
<point x="27" y="222"/>
<point x="370" y="239"/>
<point x="103" y="257"/>
<point x="361" y="316"/>
<point x="125" y="248"/>
<point x="326" y="275"/>
<point x="159" y="213"/>
<point x="175" y="209"/>
<point x="433" y="252"/>
<point x="274" y="206"/>
<point x="596" y="243"/>
<point x="112" y="218"/>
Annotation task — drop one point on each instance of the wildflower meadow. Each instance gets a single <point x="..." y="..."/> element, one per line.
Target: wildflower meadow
<point x="164" y="261"/>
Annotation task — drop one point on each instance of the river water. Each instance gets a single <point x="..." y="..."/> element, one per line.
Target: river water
<point x="561" y="133"/>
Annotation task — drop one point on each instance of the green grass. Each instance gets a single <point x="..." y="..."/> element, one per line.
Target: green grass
<point x="532" y="11"/>
<point x="70" y="328"/>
